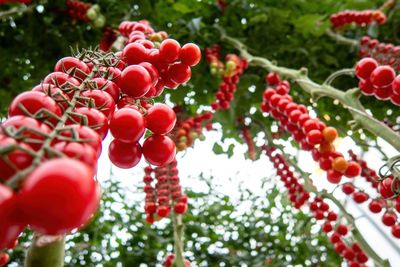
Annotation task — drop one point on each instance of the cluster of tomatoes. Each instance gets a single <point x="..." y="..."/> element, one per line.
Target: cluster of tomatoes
<point x="378" y="80"/>
<point x="297" y="195"/>
<point x="387" y="199"/>
<point x="321" y="211"/>
<point x="230" y="71"/>
<point x="360" y="18"/>
<point x="165" y="194"/>
<point x="148" y="71"/>
<point x="187" y="130"/>
<point x="312" y="134"/>
<point x="85" y="12"/>
<point x="383" y="53"/>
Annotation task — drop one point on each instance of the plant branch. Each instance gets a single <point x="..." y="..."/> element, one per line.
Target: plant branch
<point x="178" y="240"/>
<point x="17" y="10"/>
<point x="46" y="251"/>
<point x="340" y="39"/>
<point x="348" y="99"/>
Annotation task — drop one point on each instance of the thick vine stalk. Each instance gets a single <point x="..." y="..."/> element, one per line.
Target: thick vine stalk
<point x="46" y="251"/>
<point x="349" y="99"/>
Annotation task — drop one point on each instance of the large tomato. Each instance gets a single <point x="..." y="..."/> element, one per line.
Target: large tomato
<point x="30" y="133"/>
<point x="160" y="119"/>
<point x="83" y="134"/>
<point x="135" y="81"/>
<point x="58" y="196"/>
<point x="73" y="67"/>
<point x="159" y="150"/>
<point x="107" y="86"/>
<point x="63" y="81"/>
<point x="92" y="118"/>
<point x="16" y="159"/>
<point x="31" y="102"/>
<point x="100" y="100"/>
<point x="127" y="125"/>
<point x="79" y="151"/>
<point x="54" y="92"/>
<point x="124" y="155"/>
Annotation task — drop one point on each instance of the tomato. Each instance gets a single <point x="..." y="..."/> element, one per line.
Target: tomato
<point x="135" y="53"/>
<point x="99" y="100"/>
<point x="160" y="119"/>
<point x="169" y="50"/>
<point x="179" y="73"/>
<point x="190" y="54"/>
<point x="31" y="135"/>
<point x="58" y="196"/>
<point x="107" y="86"/>
<point x="353" y="169"/>
<point x="127" y="125"/>
<point x="314" y="137"/>
<point x="33" y="102"/>
<point x="330" y="134"/>
<point x="63" y="81"/>
<point x="389" y="218"/>
<point x="92" y="118"/>
<point x="16" y="159"/>
<point x="396" y="85"/>
<point x="334" y="177"/>
<point x="383" y="93"/>
<point x="55" y="93"/>
<point x="385" y="187"/>
<point x="365" y="67"/>
<point x="73" y="67"/>
<point x="159" y="150"/>
<point x="152" y="71"/>
<point x="79" y="151"/>
<point x="10" y="226"/>
<point x="110" y="73"/>
<point x="135" y="81"/>
<point x="84" y="135"/>
<point x="124" y="155"/>
<point x="272" y="78"/>
<point x="382" y="76"/>
<point x="339" y="164"/>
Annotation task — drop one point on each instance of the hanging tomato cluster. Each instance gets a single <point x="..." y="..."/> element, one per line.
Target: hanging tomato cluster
<point x="148" y="71"/>
<point x="165" y="194"/>
<point x="378" y="80"/>
<point x="230" y="72"/>
<point x="360" y="18"/>
<point x="311" y="134"/>
<point x="187" y="130"/>
<point x="321" y="211"/>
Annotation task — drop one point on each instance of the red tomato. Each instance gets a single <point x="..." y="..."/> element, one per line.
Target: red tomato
<point x="16" y="159"/>
<point x="107" y="86"/>
<point x="79" y="151"/>
<point x="34" y="102"/>
<point x="127" y="125"/>
<point x="110" y="73"/>
<point x="135" y="81"/>
<point x="10" y="227"/>
<point x="124" y="155"/>
<point x="179" y="73"/>
<point x="55" y="93"/>
<point x="73" y="67"/>
<point x="159" y="150"/>
<point x="190" y="54"/>
<point x="35" y="138"/>
<point x="169" y="50"/>
<point x="58" y="196"/>
<point x="90" y="117"/>
<point x="160" y="119"/>
<point x="99" y="100"/>
<point x="83" y="134"/>
<point x="152" y="71"/>
<point x="135" y="53"/>
<point x="63" y="81"/>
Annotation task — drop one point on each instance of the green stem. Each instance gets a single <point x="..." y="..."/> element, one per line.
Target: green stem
<point x="348" y="99"/>
<point x="178" y="240"/>
<point x="340" y="39"/>
<point x="46" y="251"/>
<point x="17" y="10"/>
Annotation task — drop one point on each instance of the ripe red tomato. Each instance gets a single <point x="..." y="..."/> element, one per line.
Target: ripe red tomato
<point x="63" y="81"/>
<point x="73" y="67"/>
<point x="353" y="169"/>
<point x="10" y="227"/>
<point x="92" y="118"/>
<point x="17" y="157"/>
<point x="33" y="133"/>
<point x="160" y="119"/>
<point x="365" y="67"/>
<point x="190" y="54"/>
<point x="58" y="196"/>
<point x="110" y="73"/>
<point x="127" y="125"/>
<point x="98" y="99"/>
<point x="135" y="81"/>
<point x="79" y="151"/>
<point x="366" y="87"/>
<point x="135" y="53"/>
<point x="179" y="73"/>
<point x="124" y="155"/>
<point x="169" y="50"/>
<point x="31" y="102"/>
<point x="83" y="134"/>
<point x="152" y="71"/>
<point x="159" y="150"/>
<point x="107" y="86"/>
<point x="382" y="76"/>
<point x="55" y="93"/>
